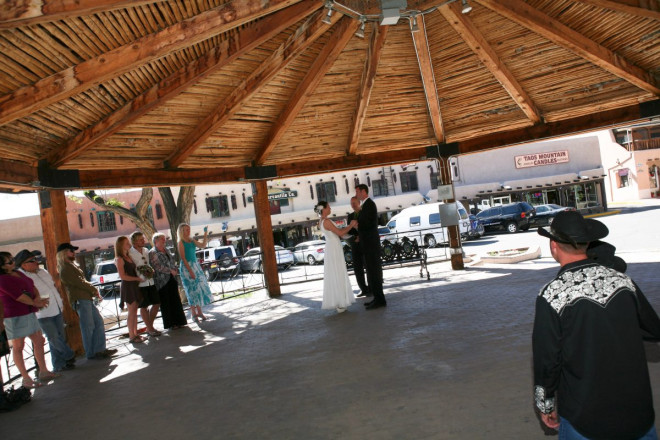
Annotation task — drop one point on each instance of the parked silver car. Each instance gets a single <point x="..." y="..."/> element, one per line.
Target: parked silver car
<point x="251" y="260"/>
<point x="310" y="252"/>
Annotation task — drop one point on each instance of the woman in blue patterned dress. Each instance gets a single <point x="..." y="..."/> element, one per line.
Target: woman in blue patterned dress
<point x="193" y="279"/>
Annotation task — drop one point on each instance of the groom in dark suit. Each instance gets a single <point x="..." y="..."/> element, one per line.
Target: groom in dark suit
<point x="370" y="245"/>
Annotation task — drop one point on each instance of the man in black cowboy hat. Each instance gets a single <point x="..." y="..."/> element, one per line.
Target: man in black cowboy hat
<point x="590" y="374"/>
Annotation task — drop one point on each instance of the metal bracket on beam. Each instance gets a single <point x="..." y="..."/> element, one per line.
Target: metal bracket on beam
<point x="54" y="178"/>
<point x="649" y="109"/>
<point x="260" y="173"/>
<point x="456" y="251"/>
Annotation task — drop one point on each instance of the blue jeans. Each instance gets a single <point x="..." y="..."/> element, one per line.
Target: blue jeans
<point x="91" y="327"/>
<point x="60" y="352"/>
<point x="568" y="432"/>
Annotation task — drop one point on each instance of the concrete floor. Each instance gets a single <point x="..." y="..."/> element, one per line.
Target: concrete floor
<point x="448" y="358"/>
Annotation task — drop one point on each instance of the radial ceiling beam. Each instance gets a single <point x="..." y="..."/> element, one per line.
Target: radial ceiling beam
<point x="623" y="116"/>
<point x="342" y="34"/>
<point x="250" y="37"/>
<point x="296" y="44"/>
<point x="28" y="12"/>
<point x="374" y="50"/>
<point x="641" y="9"/>
<point x="75" y="79"/>
<point x="546" y="26"/>
<point x="428" y="78"/>
<point x="475" y="39"/>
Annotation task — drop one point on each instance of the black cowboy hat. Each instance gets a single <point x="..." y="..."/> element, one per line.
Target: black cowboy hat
<point x="571" y="228"/>
<point x="24" y="255"/>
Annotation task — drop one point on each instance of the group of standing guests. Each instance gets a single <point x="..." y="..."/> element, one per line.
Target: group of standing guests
<point x="149" y="283"/>
<point x="31" y="305"/>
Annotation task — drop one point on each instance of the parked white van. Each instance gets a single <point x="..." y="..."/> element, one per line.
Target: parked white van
<point x="422" y="224"/>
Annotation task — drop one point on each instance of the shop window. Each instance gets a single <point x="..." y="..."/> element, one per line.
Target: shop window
<point x="623" y="178"/>
<point x="275" y="207"/>
<point x="218" y="206"/>
<point x="326" y="191"/>
<point x="434" y="179"/>
<point x="379" y="187"/>
<point x="408" y="181"/>
<point x="106" y="221"/>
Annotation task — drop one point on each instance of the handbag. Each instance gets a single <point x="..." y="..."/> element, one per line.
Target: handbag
<point x="4" y="343"/>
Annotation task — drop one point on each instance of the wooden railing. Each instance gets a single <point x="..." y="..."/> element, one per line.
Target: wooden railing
<point x="646" y="144"/>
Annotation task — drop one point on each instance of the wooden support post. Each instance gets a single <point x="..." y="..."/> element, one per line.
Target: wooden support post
<point x="266" y="240"/>
<point x="455" y="246"/>
<point x="55" y="231"/>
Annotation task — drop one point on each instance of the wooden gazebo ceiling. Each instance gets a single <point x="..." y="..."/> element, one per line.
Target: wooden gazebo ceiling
<point x="102" y="93"/>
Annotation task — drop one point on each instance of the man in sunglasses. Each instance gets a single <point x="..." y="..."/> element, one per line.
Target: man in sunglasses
<point x="50" y="318"/>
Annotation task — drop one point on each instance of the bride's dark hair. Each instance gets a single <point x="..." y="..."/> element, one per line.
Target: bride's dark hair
<point x="320" y="206"/>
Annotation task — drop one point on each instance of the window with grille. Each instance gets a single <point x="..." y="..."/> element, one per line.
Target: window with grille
<point x="234" y="205"/>
<point x="326" y="191"/>
<point x="434" y="180"/>
<point x="379" y="187"/>
<point x="408" y="181"/>
<point x="159" y="211"/>
<point x="219" y="206"/>
<point x="106" y="221"/>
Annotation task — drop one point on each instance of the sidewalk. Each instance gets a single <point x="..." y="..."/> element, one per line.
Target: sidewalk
<point x="448" y="358"/>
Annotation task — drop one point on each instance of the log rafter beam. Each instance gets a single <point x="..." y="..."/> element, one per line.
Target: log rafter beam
<point x="374" y="51"/>
<point x="75" y="79"/>
<point x="428" y="79"/>
<point x="250" y="37"/>
<point x="342" y="34"/>
<point x="546" y="26"/>
<point x="296" y="44"/>
<point x="475" y="39"/>
<point x="642" y="9"/>
<point x="28" y="12"/>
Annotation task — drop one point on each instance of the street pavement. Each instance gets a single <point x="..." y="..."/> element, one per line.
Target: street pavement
<point x="449" y="358"/>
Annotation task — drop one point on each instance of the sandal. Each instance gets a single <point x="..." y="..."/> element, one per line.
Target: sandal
<point x="49" y="376"/>
<point x="155" y="333"/>
<point x="137" y="339"/>
<point x="29" y="383"/>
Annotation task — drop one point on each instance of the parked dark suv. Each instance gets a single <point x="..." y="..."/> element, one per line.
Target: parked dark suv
<point x="512" y="218"/>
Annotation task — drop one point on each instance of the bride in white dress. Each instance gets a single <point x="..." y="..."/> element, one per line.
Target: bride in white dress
<point x="337" y="290"/>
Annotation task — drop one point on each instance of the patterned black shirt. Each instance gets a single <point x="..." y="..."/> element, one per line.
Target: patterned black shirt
<point x="589" y="358"/>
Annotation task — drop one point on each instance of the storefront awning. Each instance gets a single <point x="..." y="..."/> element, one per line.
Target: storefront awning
<point x="594" y="173"/>
<point x="538" y="183"/>
<point x="476" y="190"/>
<point x="398" y="202"/>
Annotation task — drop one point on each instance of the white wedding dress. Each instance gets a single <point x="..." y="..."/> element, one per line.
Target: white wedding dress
<point x="337" y="290"/>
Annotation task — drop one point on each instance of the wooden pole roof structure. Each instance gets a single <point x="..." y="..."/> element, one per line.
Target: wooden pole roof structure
<point x="117" y="93"/>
